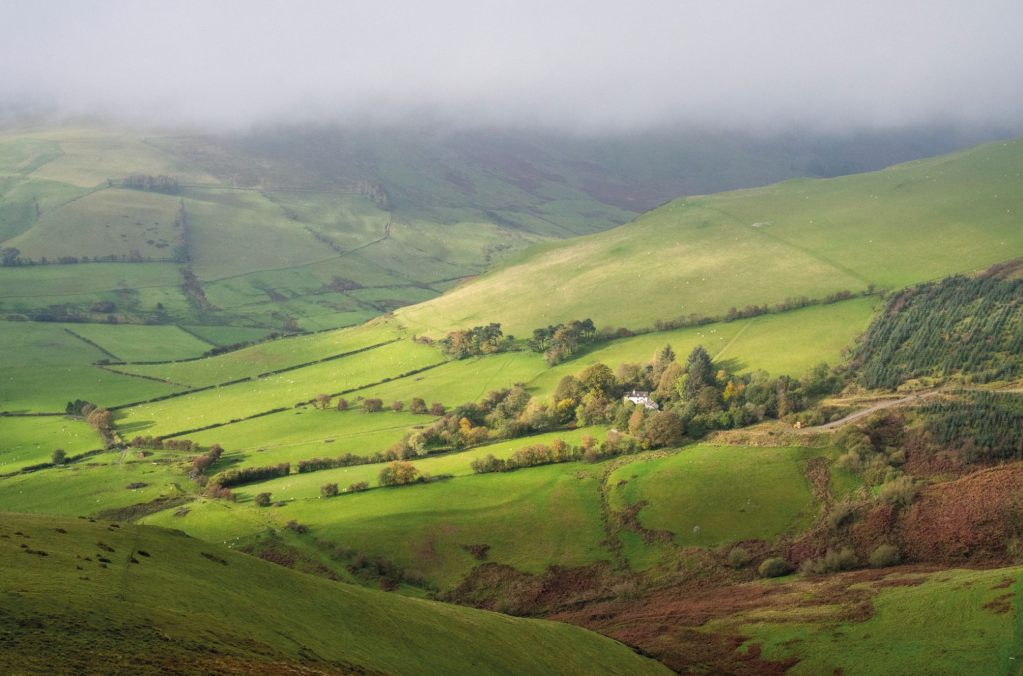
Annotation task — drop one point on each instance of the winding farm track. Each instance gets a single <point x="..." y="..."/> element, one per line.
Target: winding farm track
<point x="876" y="407"/>
<point x="913" y="399"/>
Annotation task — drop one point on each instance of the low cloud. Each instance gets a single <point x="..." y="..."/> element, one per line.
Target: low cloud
<point x="583" y="66"/>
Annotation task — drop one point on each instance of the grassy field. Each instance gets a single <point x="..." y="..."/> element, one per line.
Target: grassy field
<point x="30" y="441"/>
<point x="269" y="356"/>
<point x="939" y="624"/>
<point x="423" y="527"/>
<point x="143" y="343"/>
<point x="43" y="367"/>
<point x="714" y="495"/>
<point x="251" y="615"/>
<point x="287" y="389"/>
<point x="909" y="223"/>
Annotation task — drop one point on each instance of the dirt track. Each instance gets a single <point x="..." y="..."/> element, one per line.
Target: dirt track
<point x="876" y="407"/>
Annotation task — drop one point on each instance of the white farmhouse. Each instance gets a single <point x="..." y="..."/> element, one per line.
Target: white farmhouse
<point x="637" y="397"/>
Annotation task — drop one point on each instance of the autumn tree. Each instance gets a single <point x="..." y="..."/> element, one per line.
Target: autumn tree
<point x="417" y="406"/>
<point x="597" y="380"/>
<point x="664" y="429"/>
<point x="372" y="405"/>
<point x="322" y="401"/>
<point x="262" y="499"/>
<point x="398" y="406"/>
<point x="342" y="404"/>
<point x="328" y="490"/>
<point x="437" y="409"/>
<point x="398" y="473"/>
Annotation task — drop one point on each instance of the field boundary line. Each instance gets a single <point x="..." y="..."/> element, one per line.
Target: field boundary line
<point x="89" y="342"/>
<point x="299" y="404"/>
<point x="196" y="390"/>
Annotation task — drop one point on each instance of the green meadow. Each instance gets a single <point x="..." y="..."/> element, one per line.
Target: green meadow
<point x="143" y="343"/>
<point x="31" y="441"/>
<point x="941" y="623"/>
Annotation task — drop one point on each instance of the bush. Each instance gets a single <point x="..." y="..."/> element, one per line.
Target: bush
<point x="58" y="457"/>
<point x="738" y="558"/>
<point x="885" y="556"/>
<point x="328" y="490"/>
<point x="398" y="406"/>
<point x="774" y="567"/>
<point x="901" y="491"/>
<point x="342" y="404"/>
<point x="398" y="473"/>
<point x="417" y="406"/>
<point x="437" y="409"/>
<point x="297" y="527"/>
<point x="832" y="562"/>
<point x="372" y="405"/>
<point x="262" y="500"/>
<point x="358" y="487"/>
<point x="839" y="514"/>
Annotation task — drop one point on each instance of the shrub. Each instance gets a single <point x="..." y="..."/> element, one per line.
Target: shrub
<point x="774" y="567"/>
<point x="262" y="500"/>
<point x="738" y="558"/>
<point x="901" y="491"/>
<point x="328" y="490"/>
<point x="58" y="457"/>
<point x="885" y="556"/>
<point x="832" y="562"/>
<point x="297" y="527"/>
<point x="437" y="409"/>
<point x="398" y="406"/>
<point x="839" y="514"/>
<point x="372" y="405"/>
<point x="358" y="486"/>
<point x="417" y="406"/>
<point x="342" y="404"/>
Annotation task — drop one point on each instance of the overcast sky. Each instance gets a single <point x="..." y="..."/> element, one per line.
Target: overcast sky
<point x="590" y="65"/>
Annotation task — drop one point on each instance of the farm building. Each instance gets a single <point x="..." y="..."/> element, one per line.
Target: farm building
<point x="637" y="397"/>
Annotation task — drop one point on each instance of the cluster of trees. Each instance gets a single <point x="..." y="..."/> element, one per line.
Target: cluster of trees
<point x="972" y="327"/>
<point x="204" y="461"/>
<point x="376" y="193"/>
<point x="373" y="405"/>
<point x="697" y="394"/>
<point x="557" y="343"/>
<point x="233" y="477"/>
<point x="158" y="444"/>
<point x="78" y="408"/>
<point x="400" y="473"/>
<point x="474" y="342"/>
<point x="192" y="287"/>
<point x="164" y="184"/>
<point x="873" y="448"/>
<point x="348" y="460"/>
<point x="102" y="421"/>
<point x="10" y="257"/>
<point x="981" y="426"/>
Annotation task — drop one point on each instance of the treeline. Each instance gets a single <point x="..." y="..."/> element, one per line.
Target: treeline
<point x="167" y="185"/>
<point x="11" y="257"/>
<point x="981" y="426"/>
<point x="157" y="444"/>
<point x="180" y="253"/>
<point x="475" y="342"/>
<point x="233" y="477"/>
<point x="961" y="326"/>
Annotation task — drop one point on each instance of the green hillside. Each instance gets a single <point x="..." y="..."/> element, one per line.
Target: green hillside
<point x="910" y="223"/>
<point x="86" y="597"/>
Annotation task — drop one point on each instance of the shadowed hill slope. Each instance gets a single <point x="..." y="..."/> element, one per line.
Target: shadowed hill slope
<point x="83" y="597"/>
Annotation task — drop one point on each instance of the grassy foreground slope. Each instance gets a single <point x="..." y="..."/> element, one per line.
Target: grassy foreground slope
<point x="81" y="597"/>
<point x="909" y="223"/>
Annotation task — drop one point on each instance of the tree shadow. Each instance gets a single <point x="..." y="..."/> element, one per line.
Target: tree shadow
<point x="732" y="365"/>
<point x="135" y="426"/>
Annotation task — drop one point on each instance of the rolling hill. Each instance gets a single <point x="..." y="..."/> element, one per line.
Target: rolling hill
<point x="909" y="223"/>
<point x="89" y="597"/>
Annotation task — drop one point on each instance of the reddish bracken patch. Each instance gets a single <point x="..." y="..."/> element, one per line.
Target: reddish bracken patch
<point x="1000" y="605"/>
<point x="966" y="519"/>
<point x="900" y="582"/>
<point x="1007" y="582"/>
